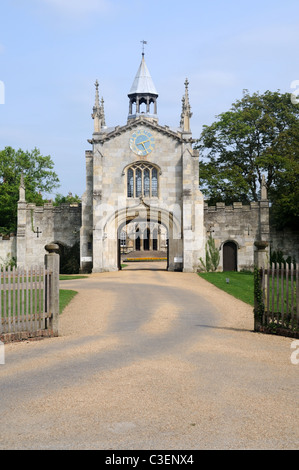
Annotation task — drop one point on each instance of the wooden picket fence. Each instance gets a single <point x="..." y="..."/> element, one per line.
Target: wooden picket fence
<point x="24" y="303"/>
<point x="277" y="299"/>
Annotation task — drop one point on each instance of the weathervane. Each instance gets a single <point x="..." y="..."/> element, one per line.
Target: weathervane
<point x="143" y="42"/>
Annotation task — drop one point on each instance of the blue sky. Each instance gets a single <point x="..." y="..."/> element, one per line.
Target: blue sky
<point x="52" y="51"/>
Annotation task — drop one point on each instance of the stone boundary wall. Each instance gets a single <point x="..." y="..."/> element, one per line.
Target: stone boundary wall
<point x="237" y="223"/>
<point x="41" y="225"/>
<point x="285" y="240"/>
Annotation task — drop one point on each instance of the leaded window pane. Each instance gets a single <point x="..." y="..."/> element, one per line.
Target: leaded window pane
<point x="154" y="182"/>
<point x="130" y="183"/>
<point x="146" y="183"/>
<point x="138" y="182"/>
<point x="123" y="238"/>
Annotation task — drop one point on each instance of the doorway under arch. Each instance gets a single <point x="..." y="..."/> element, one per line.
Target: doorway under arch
<point x="144" y="240"/>
<point x="229" y="250"/>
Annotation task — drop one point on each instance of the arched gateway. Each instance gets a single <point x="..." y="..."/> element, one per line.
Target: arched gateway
<point x="136" y="221"/>
<point x="141" y="177"/>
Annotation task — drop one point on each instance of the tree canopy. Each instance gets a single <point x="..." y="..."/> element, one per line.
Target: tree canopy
<point x="69" y="199"/>
<point x="38" y="176"/>
<point x="258" y="136"/>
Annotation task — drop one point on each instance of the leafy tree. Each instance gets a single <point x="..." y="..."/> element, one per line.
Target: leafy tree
<point x="258" y="136"/>
<point x="38" y="177"/>
<point x="69" y="199"/>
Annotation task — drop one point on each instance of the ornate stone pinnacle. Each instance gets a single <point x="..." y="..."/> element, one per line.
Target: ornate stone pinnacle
<point x="97" y="99"/>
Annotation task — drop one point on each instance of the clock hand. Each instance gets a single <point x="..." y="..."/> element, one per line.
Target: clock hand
<point x="143" y="142"/>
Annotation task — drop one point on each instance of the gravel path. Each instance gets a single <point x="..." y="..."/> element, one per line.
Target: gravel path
<point x="149" y="359"/>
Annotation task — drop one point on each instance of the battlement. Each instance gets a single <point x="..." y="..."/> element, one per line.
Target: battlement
<point x="236" y="206"/>
<point x="48" y="206"/>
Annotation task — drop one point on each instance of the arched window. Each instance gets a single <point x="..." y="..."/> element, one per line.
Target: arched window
<point x="142" y="180"/>
<point x="123" y="238"/>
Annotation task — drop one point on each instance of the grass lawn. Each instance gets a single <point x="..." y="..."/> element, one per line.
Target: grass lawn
<point x="65" y="296"/>
<point x="240" y="285"/>
<point x="70" y="277"/>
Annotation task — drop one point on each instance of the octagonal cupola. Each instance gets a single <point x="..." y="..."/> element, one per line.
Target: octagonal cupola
<point x="143" y="95"/>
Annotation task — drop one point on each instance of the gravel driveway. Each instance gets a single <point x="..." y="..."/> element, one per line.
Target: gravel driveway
<point x="149" y="359"/>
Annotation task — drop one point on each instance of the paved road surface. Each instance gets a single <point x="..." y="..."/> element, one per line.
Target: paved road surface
<point x="150" y="360"/>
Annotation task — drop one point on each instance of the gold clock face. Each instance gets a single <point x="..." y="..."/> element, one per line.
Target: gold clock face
<point x="142" y="142"/>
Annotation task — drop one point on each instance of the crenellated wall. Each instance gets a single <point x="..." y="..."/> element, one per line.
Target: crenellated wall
<point x="237" y="223"/>
<point x="240" y="224"/>
<point x="41" y="225"/>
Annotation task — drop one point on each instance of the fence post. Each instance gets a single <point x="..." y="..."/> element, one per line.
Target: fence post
<point x="260" y="262"/>
<point x="260" y="254"/>
<point x="52" y="264"/>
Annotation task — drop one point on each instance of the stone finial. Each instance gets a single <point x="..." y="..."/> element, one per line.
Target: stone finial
<point x="96" y="115"/>
<point x="22" y="195"/>
<point x="186" y="109"/>
<point x="97" y="100"/>
<point x="264" y="193"/>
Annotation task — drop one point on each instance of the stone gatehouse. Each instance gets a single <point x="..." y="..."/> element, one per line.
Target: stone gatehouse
<point x="142" y="193"/>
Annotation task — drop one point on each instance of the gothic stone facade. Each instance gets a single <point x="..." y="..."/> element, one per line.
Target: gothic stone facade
<point x="125" y="188"/>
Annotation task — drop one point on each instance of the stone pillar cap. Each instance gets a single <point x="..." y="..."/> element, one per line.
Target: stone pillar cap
<point x="52" y="248"/>
<point x="260" y="244"/>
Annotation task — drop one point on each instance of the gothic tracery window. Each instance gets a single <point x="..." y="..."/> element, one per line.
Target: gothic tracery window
<point x="142" y="180"/>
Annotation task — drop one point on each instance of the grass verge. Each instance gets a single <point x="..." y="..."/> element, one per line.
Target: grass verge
<point x="65" y="296"/>
<point x="237" y="284"/>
